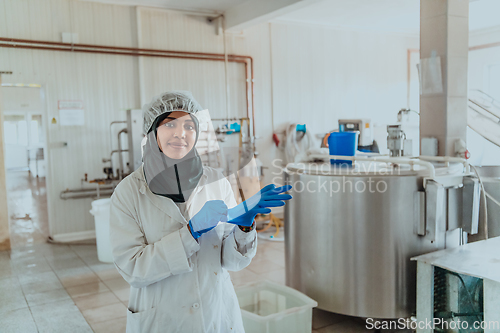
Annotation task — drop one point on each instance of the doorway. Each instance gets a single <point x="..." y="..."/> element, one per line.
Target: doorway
<point x="24" y="142"/>
<point x="24" y="131"/>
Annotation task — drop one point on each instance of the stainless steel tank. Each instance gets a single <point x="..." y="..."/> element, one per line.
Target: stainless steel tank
<point x="349" y="237"/>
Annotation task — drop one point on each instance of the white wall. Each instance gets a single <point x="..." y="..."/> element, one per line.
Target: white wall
<point x="106" y="84"/>
<point x="161" y="29"/>
<point x="321" y="74"/>
<point x="303" y="73"/>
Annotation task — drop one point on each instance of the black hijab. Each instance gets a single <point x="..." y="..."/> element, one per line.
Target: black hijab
<point x="172" y="178"/>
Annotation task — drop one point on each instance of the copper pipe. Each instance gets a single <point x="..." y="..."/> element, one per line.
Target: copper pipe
<point x="483" y="46"/>
<point x="27" y="41"/>
<point x="137" y="52"/>
<point x="231" y="119"/>
<point x="250" y="63"/>
<point x="160" y="55"/>
<point x="253" y="101"/>
<point x="247" y="85"/>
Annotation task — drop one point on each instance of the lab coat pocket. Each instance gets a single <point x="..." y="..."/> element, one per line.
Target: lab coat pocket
<point x="143" y="321"/>
<point x="158" y="225"/>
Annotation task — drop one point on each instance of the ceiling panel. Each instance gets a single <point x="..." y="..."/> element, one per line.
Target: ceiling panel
<point x="386" y="15"/>
<point x="377" y="15"/>
<point x="197" y="5"/>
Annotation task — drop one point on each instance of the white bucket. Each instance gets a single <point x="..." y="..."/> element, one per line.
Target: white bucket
<point x="267" y="307"/>
<point x="100" y="210"/>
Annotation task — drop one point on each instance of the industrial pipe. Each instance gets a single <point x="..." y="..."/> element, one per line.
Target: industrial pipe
<point x="121" y="170"/>
<point x="111" y="130"/>
<point x="86" y="193"/>
<point x="139" y="52"/>
<point x="110" y="160"/>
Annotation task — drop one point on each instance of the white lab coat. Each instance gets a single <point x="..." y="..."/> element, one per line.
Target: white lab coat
<point x="177" y="284"/>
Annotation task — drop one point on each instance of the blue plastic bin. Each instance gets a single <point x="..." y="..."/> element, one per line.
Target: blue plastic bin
<point x="343" y="143"/>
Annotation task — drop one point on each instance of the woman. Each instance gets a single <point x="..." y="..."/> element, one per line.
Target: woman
<point x="169" y="239"/>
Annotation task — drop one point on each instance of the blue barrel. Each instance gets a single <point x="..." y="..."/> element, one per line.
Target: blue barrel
<point x="343" y="143"/>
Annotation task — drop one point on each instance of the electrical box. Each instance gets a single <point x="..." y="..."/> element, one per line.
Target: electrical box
<point x="363" y="126"/>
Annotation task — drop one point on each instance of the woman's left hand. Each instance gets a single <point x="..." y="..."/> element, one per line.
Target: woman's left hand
<point x="269" y="196"/>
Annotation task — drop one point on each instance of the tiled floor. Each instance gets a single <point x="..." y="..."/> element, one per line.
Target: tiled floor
<point x="27" y="202"/>
<point x="64" y="288"/>
<point x="269" y="264"/>
<point x="60" y="288"/>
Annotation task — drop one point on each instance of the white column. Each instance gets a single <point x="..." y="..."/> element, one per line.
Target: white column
<point x="444" y="34"/>
<point x="4" y="215"/>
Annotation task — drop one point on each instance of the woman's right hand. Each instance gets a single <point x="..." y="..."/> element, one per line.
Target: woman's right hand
<point x="213" y="212"/>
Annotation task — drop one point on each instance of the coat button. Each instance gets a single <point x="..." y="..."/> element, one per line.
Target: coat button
<point x="196" y="305"/>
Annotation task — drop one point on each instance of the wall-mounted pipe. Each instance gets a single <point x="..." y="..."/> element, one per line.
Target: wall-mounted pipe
<point x="484" y="46"/>
<point x="137" y="52"/>
<point x="121" y="170"/>
<point x="86" y="193"/>
<point x="110" y="160"/>
<point x="111" y="131"/>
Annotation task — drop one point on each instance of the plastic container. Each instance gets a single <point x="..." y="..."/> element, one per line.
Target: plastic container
<point x="100" y="210"/>
<point x="343" y="143"/>
<point x="268" y="307"/>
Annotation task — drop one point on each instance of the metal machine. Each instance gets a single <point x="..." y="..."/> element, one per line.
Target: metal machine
<point x="132" y="151"/>
<point x="129" y="157"/>
<point x="239" y="151"/>
<point x="360" y="125"/>
<point x="365" y="138"/>
<point x="352" y="255"/>
<point x="351" y="232"/>
<point x="458" y="290"/>
<point x="135" y="122"/>
<point x="397" y="143"/>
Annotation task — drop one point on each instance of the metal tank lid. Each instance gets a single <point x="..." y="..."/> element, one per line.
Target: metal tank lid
<point x="374" y="168"/>
<point x="360" y="168"/>
<point x="489" y="171"/>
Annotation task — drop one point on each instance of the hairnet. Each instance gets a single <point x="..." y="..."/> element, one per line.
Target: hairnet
<point x="168" y="102"/>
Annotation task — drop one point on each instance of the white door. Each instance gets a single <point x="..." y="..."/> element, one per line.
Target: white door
<point x="36" y="140"/>
<point x="15" y="129"/>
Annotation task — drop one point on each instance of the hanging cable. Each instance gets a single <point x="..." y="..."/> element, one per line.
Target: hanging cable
<point x="293" y="145"/>
<point x="271" y="72"/>
<point x="483" y="191"/>
<point x="223" y="18"/>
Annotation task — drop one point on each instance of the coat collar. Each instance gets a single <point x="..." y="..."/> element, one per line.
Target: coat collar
<point x="165" y="204"/>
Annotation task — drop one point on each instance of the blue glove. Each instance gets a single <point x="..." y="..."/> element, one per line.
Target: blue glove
<point x="208" y="217"/>
<point x="269" y="196"/>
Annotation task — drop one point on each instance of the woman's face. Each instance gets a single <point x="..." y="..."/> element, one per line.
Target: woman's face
<point x="176" y="135"/>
